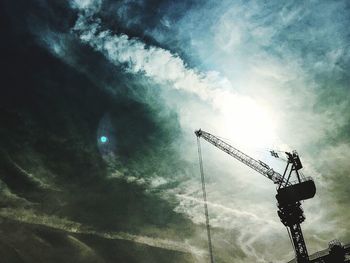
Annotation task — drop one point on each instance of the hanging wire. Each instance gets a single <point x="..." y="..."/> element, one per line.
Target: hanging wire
<point x="205" y="201"/>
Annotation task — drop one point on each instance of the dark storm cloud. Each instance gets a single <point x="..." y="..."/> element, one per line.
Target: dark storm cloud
<point x="53" y="107"/>
<point x="131" y="93"/>
<point x="80" y="60"/>
<point x="142" y="129"/>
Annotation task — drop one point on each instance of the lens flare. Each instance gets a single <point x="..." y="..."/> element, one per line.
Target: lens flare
<point x="103" y="139"/>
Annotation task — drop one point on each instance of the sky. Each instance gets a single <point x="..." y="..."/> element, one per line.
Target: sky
<point x="101" y="99"/>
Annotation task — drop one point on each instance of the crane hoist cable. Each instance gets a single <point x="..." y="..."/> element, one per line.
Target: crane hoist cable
<point x="207" y="223"/>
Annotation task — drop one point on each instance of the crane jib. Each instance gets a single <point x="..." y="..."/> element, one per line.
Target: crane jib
<point x="258" y="166"/>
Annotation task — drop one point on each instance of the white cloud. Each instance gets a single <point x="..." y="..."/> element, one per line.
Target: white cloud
<point x="32" y="217"/>
<point x="86" y="5"/>
<point x="156" y="63"/>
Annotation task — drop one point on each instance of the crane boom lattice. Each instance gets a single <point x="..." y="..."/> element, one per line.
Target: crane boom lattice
<point x="258" y="166"/>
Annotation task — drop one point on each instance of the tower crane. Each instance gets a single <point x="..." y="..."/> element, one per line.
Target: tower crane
<point x="289" y="193"/>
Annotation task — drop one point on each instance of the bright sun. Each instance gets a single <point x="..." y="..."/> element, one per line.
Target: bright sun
<point x="246" y="122"/>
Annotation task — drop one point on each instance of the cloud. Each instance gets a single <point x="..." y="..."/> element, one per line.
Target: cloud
<point x="168" y="70"/>
<point x="282" y="56"/>
<point x="159" y="64"/>
<point x="32" y="217"/>
<point x="88" y="6"/>
<point x="287" y="58"/>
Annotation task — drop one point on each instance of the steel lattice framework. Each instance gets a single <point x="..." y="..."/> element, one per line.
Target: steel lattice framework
<point x="288" y="195"/>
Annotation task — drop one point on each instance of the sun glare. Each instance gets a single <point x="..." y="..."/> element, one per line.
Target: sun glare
<point x="246" y="122"/>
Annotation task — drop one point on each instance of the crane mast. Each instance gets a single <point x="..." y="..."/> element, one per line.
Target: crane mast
<point x="289" y="194"/>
